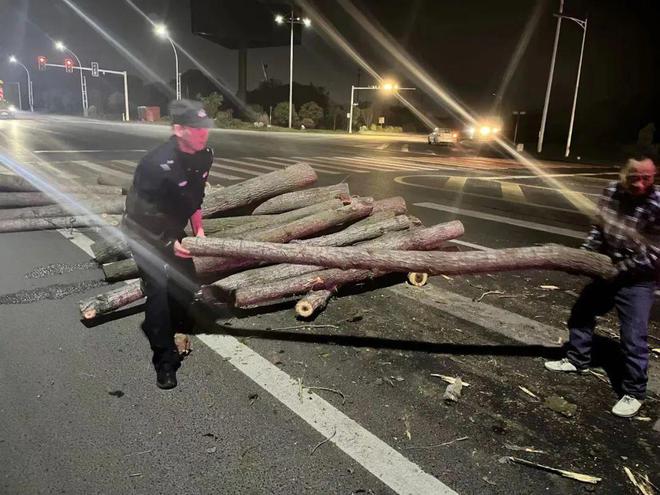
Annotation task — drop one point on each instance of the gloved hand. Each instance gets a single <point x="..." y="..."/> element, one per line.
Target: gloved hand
<point x="180" y="251"/>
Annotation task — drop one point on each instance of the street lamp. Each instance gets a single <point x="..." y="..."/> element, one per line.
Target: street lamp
<point x="161" y="31"/>
<point x="14" y="60"/>
<point x="388" y="87"/>
<point x="583" y="25"/>
<point x="280" y="19"/>
<point x="83" y="80"/>
<point x="518" y="114"/>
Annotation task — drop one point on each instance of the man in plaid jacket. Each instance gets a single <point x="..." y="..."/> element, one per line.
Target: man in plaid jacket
<point x="627" y="229"/>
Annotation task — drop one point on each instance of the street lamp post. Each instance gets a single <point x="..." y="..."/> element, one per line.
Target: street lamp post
<point x="517" y="113"/>
<point x="83" y="80"/>
<point x="583" y="25"/>
<point x="548" y="89"/>
<point x="162" y="32"/>
<point x="14" y="60"/>
<point x="387" y="86"/>
<point x="279" y="19"/>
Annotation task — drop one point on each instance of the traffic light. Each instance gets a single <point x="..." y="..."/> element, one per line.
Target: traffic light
<point x="68" y="65"/>
<point x="95" y="69"/>
<point x="41" y="62"/>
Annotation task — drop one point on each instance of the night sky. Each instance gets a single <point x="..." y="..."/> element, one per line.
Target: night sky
<point x="466" y="46"/>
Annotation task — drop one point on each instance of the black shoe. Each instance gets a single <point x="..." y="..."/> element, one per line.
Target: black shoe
<point x="166" y="377"/>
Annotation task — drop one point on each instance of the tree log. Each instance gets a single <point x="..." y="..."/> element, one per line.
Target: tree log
<point x="110" y="249"/>
<point x="13" y="183"/>
<point x="114" y="205"/>
<point x="111" y="180"/>
<point x="120" y="270"/>
<point x="418" y="239"/>
<point x="548" y="257"/>
<point x="258" y="189"/>
<point x="111" y="300"/>
<point x="300" y="199"/>
<point x="396" y="204"/>
<point x="284" y="218"/>
<point x="297" y="229"/>
<point x="313" y="301"/>
<point x="360" y="231"/>
<point x="26" y="199"/>
<point x="51" y="223"/>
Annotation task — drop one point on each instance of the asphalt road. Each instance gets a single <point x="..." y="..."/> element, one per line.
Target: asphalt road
<point x="81" y="413"/>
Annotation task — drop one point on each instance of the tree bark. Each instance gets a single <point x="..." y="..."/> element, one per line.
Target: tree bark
<point x="115" y="205"/>
<point x="110" y="249"/>
<point x="303" y="227"/>
<point x="111" y="300"/>
<point x="396" y="204"/>
<point x="300" y="199"/>
<point x="120" y="270"/>
<point x="314" y="301"/>
<point x="27" y="199"/>
<point x="51" y="223"/>
<point x="258" y="189"/>
<point x="548" y="257"/>
<point x="110" y="180"/>
<point x="418" y="239"/>
<point x="12" y="183"/>
<point x="284" y="218"/>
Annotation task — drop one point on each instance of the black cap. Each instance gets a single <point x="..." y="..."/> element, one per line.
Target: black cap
<point x="189" y="113"/>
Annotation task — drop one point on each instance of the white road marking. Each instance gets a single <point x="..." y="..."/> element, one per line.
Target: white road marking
<point x="240" y="162"/>
<point x="128" y="163"/>
<point x="89" y="151"/>
<point x="383" y="146"/>
<point x="509" y="221"/>
<point x="404" y="148"/>
<point x="350" y="166"/>
<point x="456" y="183"/>
<point x="102" y="170"/>
<point x="512" y="192"/>
<point x="377" y="457"/>
<point x="381" y="460"/>
<point x="389" y="165"/>
<point x="246" y="171"/>
<point x="472" y="245"/>
<point x="212" y="173"/>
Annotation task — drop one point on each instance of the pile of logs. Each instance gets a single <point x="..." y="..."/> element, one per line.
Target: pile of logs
<point x="303" y="244"/>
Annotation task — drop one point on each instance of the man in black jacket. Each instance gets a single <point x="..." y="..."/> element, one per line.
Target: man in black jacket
<point x="167" y="193"/>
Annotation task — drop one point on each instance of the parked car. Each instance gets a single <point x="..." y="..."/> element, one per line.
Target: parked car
<point x="7" y="111"/>
<point x="443" y="136"/>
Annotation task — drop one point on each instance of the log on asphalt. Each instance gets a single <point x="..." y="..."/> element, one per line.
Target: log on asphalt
<point x="111" y="300"/>
<point x="111" y="180"/>
<point x="110" y="248"/>
<point x="120" y="270"/>
<point x="258" y="189"/>
<point x="52" y="223"/>
<point x="27" y="199"/>
<point x="417" y="239"/>
<point x="11" y="183"/>
<point x="300" y="199"/>
<point x="113" y="205"/>
<point x="314" y="301"/>
<point x="547" y="257"/>
<point x="301" y="228"/>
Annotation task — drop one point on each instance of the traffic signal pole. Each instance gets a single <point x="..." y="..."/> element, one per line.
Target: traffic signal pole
<point x="102" y="71"/>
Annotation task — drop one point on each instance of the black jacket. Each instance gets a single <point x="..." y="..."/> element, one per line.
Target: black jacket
<point x="168" y="187"/>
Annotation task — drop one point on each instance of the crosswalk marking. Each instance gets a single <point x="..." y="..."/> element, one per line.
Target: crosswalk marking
<point x="384" y="165"/>
<point x="397" y="163"/>
<point x="404" y="148"/>
<point x="512" y="192"/>
<point x="456" y="183"/>
<point x="101" y="169"/>
<point x="128" y="163"/>
<point x="241" y="162"/>
<point x="506" y="220"/>
<point x="351" y="164"/>
<point x="320" y="165"/>
<point x="224" y="166"/>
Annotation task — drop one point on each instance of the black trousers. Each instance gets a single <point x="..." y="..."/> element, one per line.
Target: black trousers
<point x="169" y="284"/>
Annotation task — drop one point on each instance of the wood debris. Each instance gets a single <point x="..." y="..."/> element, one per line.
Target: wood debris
<point x="584" y="478"/>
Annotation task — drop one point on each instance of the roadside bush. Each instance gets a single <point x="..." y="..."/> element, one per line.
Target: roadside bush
<point x="311" y="112"/>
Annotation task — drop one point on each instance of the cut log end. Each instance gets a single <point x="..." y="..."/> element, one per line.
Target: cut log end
<point x="304" y="309"/>
<point x="89" y="314"/>
<point x="418" y="279"/>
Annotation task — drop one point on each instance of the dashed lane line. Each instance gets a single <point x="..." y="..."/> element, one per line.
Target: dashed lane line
<point x="512" y="192"/>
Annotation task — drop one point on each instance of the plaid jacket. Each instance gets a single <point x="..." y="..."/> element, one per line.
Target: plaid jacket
<point x="627" y="229"/>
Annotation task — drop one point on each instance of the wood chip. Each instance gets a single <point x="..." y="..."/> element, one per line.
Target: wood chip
<point x="584" y="478"/>
<point x="642" y="486"/>
<point x="549" y="287"/>
<point x="529" y="392"/>
<point x="449" y="379"/>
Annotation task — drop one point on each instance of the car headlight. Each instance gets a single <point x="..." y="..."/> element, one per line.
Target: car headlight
<point x="12" y="108"/>
<point x="485" y="130"/>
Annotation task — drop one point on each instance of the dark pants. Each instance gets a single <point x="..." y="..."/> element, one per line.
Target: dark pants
<point x="633" y="300"/>
<point x="169" y="284"/>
